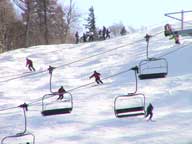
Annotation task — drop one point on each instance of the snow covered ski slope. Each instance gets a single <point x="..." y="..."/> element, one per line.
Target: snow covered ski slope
<point x="92" y="120"/>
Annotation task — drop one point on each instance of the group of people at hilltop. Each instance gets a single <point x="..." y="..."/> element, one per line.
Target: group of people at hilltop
<point x="102" y="34"/>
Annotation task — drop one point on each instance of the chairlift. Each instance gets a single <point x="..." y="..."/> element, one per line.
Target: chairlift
<point x="132" y="104"/>
<point x="129" y="105"/>
<point x="23" y="137"/>
<point x="152" y="68"/>
<point x="184" y="30"/>
<point x="52" y="106"/>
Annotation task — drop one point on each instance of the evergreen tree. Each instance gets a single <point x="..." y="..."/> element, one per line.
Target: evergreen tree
<point x="91" y="26"/>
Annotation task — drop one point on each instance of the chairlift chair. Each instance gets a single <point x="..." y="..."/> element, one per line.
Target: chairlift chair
<point x="129" y="105"/>
<point x="184" y="32"/>
<point x="152" y="68"/>
<point x="23" y="138"/>
<point x="52" y="106"/>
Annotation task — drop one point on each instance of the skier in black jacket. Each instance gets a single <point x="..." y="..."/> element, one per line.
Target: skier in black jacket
<point x="149" y="111"/>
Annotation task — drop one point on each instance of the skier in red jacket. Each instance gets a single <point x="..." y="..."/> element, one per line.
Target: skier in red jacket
<point x="29" y="64"/>
<point x="97" y="77"/>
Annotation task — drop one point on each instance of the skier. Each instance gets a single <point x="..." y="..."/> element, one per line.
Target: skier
<point x="76" y="37"/>
<point x="61" y="92"/>
<point x="29" y="64"/>
<point x="149" y="111"/>
<point x="97" y="77"/>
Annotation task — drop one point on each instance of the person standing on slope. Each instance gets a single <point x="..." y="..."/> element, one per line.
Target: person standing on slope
<point x="29" y="64"/>
<point x="97" y="77"/>
<point x="76" y="37"/>
<point x="149" y="111"/>
<point x="104" y="32"/>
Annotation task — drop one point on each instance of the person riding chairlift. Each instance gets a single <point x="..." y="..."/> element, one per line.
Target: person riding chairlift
<point x="168" y="30"/>
<point x="61" y="92"/>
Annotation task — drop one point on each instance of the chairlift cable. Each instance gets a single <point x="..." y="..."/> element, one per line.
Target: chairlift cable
<point x="179" y="48"/>
<point x="39" y="99"/>
<point x="8" y="108"/>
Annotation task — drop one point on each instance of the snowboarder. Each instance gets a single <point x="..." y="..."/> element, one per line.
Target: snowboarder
<point x="149" y="111"/>
<point x="76" y="37"/>
<point x="61" y="92"/>
<point x="29" y="64"/>
<point x="97" y="77"/>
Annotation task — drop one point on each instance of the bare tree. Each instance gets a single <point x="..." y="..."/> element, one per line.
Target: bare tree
<point x="27" y="8"/>
<point x="44" y="9"/>
<point x="8" y="26"/>
<point x="46" y="22"/>
<point x="116" y="29"/>
<point x="71" y="17"/>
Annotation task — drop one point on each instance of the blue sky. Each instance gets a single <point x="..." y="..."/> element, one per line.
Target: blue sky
<point x="135" y="13"/>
